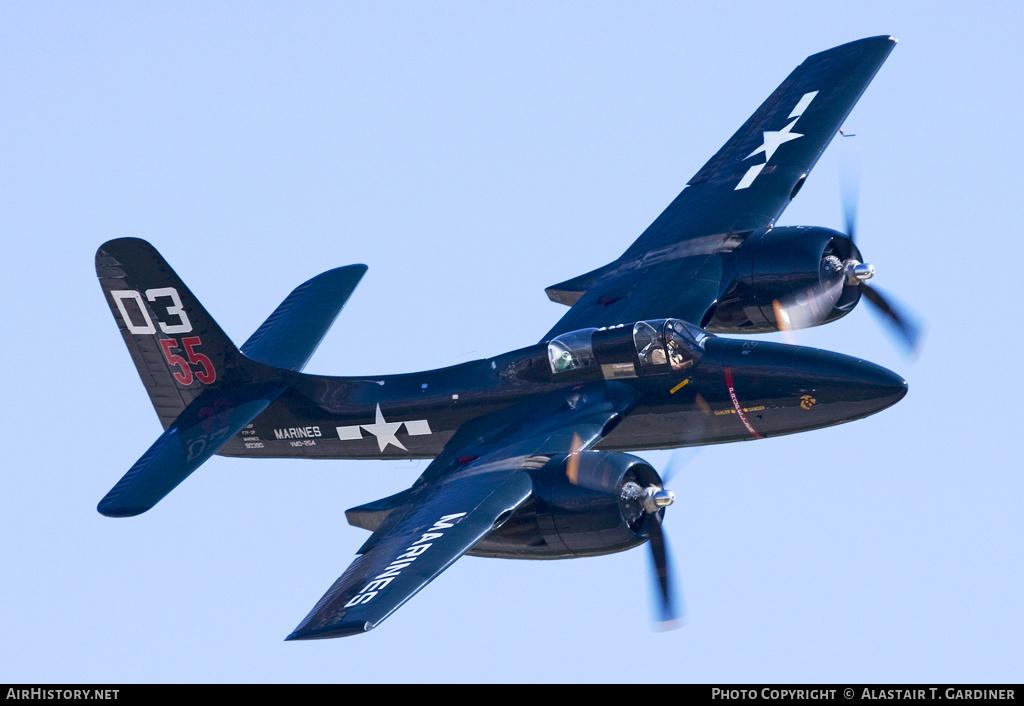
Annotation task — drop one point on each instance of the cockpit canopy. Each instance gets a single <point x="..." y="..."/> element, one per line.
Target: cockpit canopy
<point x="656" y="346"/>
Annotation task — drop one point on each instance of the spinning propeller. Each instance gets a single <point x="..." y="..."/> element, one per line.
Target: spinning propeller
<point x="843" y="268"/>
<point x="647" y="503"/>
<point x="668" y="605"/>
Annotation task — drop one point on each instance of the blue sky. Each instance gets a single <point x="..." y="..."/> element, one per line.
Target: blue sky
<point x="472" y="154"/>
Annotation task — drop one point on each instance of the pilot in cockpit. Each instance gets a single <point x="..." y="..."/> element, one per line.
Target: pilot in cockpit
<point x="648" y="344"/>
<point x="563" y="361"/>
<point x="656" y="355"/>
<point x="678" y="354"/>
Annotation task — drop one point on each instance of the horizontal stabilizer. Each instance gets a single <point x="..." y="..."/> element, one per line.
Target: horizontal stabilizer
<point x="370" y="515"/>
<point x="290" y="336"/>
<point x="570" y="291"/>
<point x="198" y="432"/>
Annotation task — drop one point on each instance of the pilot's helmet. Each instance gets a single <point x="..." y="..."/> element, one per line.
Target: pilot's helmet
<point x="564" y="361"/>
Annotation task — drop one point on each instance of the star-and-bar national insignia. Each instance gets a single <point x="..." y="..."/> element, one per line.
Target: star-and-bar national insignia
<point x="774" y="138"/>
<point x="385" y="431"/>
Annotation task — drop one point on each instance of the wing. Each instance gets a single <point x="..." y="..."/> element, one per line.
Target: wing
<point x="683" y="289"/>
<point x="477" y="482"/>
<point x="745" y="186"/>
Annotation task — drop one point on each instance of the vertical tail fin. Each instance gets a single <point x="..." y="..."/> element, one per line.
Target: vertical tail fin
<point x="204" y="390"/>
<point x="178" y="349"/>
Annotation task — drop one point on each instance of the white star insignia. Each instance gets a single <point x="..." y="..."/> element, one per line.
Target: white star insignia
<point x="384" y="431"/>
<point x="774" y="138"/>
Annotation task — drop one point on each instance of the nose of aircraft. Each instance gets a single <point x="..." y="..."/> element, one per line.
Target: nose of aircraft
<point x="847" y="379"/>
<point x="793" y="388"/>
<point x="888" y="385"/>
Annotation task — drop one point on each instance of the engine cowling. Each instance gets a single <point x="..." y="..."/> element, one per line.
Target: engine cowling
<point x="783" y="264"/>
<point x="600" y="511"/>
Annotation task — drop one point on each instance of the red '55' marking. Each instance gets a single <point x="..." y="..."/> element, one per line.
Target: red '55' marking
<point x="184" y="375"/>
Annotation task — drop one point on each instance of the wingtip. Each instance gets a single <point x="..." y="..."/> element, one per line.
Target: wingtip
<point x="341" y="630"/>
<point x="109" y="508"/>
<point x="349" y="268"/>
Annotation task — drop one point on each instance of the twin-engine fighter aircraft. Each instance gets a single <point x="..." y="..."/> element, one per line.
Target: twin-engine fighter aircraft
<point x="529" y="446"/>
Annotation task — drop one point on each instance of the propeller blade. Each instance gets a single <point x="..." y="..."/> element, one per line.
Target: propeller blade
<point x="679" y="458"/>
<point x="572" y="465"/>
<point x="653" y="499"/>
<point x="809" y="307"/>
<point x="849" y="186"/>
<point x="590" y="476"/>
<point x="904" y="328"/>
<point x="668" y="605"/>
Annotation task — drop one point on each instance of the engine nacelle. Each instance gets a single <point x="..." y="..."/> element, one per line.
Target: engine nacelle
<point x="601" y="513"/>
<point x="779" y="264"/>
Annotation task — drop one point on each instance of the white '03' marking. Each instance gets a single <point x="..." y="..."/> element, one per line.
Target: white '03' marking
<point x="176" y="309"/>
